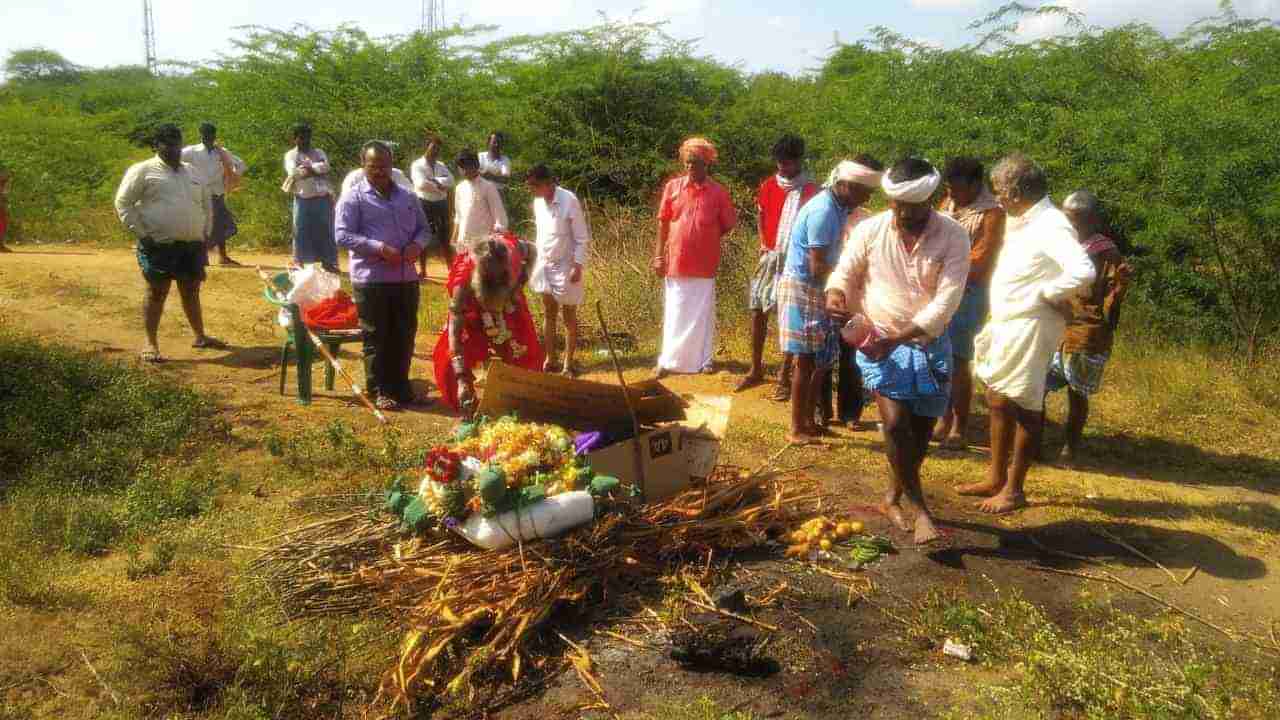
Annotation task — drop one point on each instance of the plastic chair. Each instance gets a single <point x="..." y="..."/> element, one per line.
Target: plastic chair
<point x="297" y="339"/>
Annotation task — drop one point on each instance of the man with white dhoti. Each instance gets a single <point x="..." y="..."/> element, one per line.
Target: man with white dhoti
<point x="694" y="216"/>
<point x="1040" y="269"/>
<point x="563" y="237"/>
<point x="900" y="278"/>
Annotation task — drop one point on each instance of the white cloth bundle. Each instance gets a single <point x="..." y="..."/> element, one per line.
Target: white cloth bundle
<point x="543" y="519"/>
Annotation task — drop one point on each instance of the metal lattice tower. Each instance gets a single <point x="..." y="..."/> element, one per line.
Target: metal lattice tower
<point x="432" y="16"/>
<point x="149" y="36"/>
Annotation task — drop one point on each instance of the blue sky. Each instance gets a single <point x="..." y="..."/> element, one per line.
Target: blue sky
<point x="789" y="36"/>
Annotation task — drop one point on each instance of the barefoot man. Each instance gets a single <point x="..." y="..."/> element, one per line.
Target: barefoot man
<point x="805" y="331"/>
<point x="778" y="202"/>
<point x="563" y="238"/>
<point x="904" y="271"/>
<point x="1086" y="346"/>
<point x="1040" y="269"/>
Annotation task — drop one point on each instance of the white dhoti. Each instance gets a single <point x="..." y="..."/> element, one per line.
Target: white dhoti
<point x="1012" y="356"/>
<point x="688" y="324"/>
<point x="552" y="279"/>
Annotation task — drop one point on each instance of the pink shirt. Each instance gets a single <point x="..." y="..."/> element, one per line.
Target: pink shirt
<point x="895" y="288"/>
<point x="699" y="215"/>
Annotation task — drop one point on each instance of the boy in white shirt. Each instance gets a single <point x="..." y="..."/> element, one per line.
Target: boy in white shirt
<point x="563" y="237"/>
<point x="477" y="207"/>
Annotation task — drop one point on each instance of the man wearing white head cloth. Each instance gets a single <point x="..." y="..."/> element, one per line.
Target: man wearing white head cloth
<point x="1040" y="269"/>
<point x="804" y="329"/>
<point x="899" y="281"/>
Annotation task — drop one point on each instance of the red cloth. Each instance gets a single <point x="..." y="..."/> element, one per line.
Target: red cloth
<point x="475" y="343"/>
<point x="770" y="198"/>
<point x="700" y="215"/>
<point x="334" y="313"/>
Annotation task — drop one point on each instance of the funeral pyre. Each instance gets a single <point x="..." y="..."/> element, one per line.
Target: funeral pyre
<point x="475" y="619"/>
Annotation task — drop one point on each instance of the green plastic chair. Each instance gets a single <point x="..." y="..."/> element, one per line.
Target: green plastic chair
<point x="299" y="341"/>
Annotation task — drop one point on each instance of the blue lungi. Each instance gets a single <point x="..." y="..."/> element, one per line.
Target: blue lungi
<point x="919" y="377"/>
<point x="313" y="239"/>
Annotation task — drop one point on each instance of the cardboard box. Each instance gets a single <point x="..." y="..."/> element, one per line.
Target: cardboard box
<point x="573" y="403"/>
<point x="663" y="458"/>
<point x="670" y="454"/>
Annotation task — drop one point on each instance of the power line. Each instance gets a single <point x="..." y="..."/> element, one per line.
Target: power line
<point x="149" y="36"/>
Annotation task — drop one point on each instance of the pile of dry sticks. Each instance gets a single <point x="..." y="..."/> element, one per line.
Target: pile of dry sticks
<point x="471" y="617"/>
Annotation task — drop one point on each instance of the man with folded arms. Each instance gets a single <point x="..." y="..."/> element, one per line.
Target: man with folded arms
<point x="903" y="272"/>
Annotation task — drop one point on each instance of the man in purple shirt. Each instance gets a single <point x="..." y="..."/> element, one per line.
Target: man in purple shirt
<point x="383" y="228"/>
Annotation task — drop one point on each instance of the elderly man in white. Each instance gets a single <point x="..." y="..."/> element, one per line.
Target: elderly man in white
<point x="1041" y="267"/>
<point x="563" y="237"/>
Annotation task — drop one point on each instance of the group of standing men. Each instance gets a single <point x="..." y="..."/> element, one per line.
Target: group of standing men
<point x="388" y="222"/>
<point x="909" y="303"/>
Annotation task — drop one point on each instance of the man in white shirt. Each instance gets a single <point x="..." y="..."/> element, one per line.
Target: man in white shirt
<point x="1040" y="268"/>
<point x="306" y="171"/>
<point x="494" y="166"/>
<point x="221" y="172"/>
<point x="563" y="237"/>
<point x="432" y="182"/>
<point x="165" y="204"/>
<point x="477" y="206"/>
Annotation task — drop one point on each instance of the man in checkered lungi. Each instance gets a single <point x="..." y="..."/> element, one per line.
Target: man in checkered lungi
<point x="804" y="328"/>
<point x="1086" y="345"/>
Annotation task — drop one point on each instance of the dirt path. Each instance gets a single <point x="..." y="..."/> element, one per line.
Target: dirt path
<point x="1219" y="516"/>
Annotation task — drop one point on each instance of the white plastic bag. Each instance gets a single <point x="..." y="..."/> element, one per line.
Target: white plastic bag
<point x="311" y="285"/>
<point x="544" y="519"/>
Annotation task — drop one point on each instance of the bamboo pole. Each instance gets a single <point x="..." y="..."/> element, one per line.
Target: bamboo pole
<point x="324" y="352"/>
<point x="637" y="459"/>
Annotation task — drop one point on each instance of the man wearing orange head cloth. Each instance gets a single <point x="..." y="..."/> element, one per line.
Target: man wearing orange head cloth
<point x="694" y="216"/>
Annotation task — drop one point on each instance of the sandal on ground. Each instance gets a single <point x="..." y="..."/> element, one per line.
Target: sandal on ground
<point x="387" y="403"/>
<point x="209" y="343"/>
<point x="709" y="370"/>
<point x="749" y="382"/>
<point x="151" y="356"/>
<point x="550" y="365"/>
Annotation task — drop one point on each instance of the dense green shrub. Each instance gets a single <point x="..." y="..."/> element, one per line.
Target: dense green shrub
<point x="1177" y="134"/>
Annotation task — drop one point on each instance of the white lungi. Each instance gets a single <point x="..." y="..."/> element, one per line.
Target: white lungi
<point x="688" y="324"/>
<point x="1040" y="262"/>
<point x="1013" y="356"/>
<point x="553" y="279"/>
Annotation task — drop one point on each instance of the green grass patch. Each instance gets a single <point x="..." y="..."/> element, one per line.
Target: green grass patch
<point x="1107" y="664"/>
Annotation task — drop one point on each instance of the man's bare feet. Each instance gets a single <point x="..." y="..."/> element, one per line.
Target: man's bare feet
<point x="803" y="439"/>
<point x="893" y="511"/>
<point x="954" y="441"/>
<point x="748" y="382"/>
<point x="1005" y="502"/>
<point x="1067" y="458"/>
<point x="926" y="531"/>
<point x="985" y="489"/>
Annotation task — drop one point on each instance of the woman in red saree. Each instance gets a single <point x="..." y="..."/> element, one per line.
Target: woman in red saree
<point x="488" y="314"/>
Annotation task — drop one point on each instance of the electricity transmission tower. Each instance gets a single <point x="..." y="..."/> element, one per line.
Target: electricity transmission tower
<point x="432" y="16"/>
<point x="149" y="36"/>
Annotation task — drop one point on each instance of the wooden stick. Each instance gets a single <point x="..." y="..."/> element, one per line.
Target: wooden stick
<point x="637" y="458"/>
<point x="324" y="352"/>
<point x="1190" y="574"/>
<point x="735" y="616"/>
<point x="114" y="698"/>
<point x="1139" y="553"/>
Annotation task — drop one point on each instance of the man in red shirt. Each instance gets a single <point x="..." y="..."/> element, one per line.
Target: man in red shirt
<point x="778" y="201"/>
<point x="693" y="217"/>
